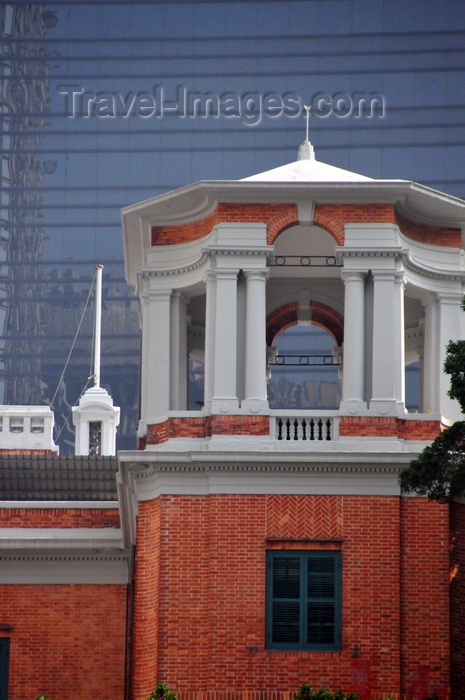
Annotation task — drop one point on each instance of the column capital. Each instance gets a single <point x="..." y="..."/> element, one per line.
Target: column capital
<point x="225" y="273"/>
<point x="159" y="294"/>
<point x="400" y="278"/>
<point x="180" y="296"/>
<point x="259" y="275"/>
<point x="388" y="275"/>
<point x="450" y="297"/>
<point x="353" y="275"/>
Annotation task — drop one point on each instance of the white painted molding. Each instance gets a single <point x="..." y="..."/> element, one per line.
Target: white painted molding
<point x="68" y="505"/>
<point x="289" y="472"/>
<point x="63" y="570"/>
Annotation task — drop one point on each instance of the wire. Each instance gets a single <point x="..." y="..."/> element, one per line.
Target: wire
<point x="74" y="343"/>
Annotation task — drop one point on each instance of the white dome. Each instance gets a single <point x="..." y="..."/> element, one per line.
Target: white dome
<point x="307" y="169"/>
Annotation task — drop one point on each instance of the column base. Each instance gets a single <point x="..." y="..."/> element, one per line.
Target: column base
<point x="384" y="407"/>
<point x="224" y="405"/>
<point x="255" y="406"/>
<point x="352" y="407"/>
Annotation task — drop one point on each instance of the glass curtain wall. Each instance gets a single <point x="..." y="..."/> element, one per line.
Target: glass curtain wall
<point x="104" y="104"/>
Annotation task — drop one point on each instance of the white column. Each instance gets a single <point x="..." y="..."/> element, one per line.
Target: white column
<point x="145" y="306"/>
<point x="178" y="358"/>
<point x="449" y="328"/>
<point x="385" y="341"/>
<point x="399" y="316"/>
<point x="224" y="397"/>
<point x="432" y="368"/>
<point x="157" y="377"/>
<point x="210" y="314"/>
<point x="421" y="380"/>
<point x="354" y="333"/>
<point x="255" y="342"/>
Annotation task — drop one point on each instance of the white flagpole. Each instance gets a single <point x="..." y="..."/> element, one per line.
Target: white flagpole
<point x="98" y="324"/>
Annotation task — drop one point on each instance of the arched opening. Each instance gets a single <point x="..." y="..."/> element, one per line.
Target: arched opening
<point x="305" y="374"/>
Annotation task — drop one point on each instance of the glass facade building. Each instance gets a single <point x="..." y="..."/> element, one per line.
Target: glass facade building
<point x="104" y="104"/>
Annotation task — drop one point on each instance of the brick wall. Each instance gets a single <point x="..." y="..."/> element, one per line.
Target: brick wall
<point x="425" y="598"/>
<point x="147" y="607"/>
<point x="322" y="315"/>
<point x="59" y="517"/>
<point x="206" y="426"/>
<point x="457" y="592"/>
<point x="432" y="235"/>
<point x="349" y="426"/>
<point x="330" y="217"/>
<point x="278" y="217"/>
<point x="67" y="641"/>
<point x="376" y="426"/>
<point x="201" y="573"/>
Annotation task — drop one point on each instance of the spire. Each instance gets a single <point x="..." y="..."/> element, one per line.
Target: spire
<point x="306" y="150"/>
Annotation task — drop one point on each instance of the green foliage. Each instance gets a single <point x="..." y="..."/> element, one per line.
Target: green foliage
<point x="439" y="471"/>
<point x="162" y="692"/>
<point x="306" y="692"/>
<point x="454" y="365"/>
<point x="42" y="697"/>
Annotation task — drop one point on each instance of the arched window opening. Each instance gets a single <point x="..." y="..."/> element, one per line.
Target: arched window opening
<point x="304" y="375"/>
<point x="196" y="377"/>
<point x="412" y="387"/>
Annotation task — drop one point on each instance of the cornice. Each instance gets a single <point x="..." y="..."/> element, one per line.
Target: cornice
<point x="33" y="556"/>
<point x="144" y="466"/>
<point x="267" y="469"/>
<point x="262" y="251"/>
<point x="169" y="272"/>
<point x="388" y="252"/>
<point x="412" y="265"/>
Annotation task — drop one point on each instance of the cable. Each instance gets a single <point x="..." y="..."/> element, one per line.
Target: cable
<point x="74" y="343"/>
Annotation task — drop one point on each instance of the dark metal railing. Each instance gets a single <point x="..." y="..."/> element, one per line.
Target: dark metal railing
<point x="311" y="360"/>
<point x="305" y="261"/>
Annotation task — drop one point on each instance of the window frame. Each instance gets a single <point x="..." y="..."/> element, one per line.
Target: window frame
<point x="305" y="602"/>
<point x="4" y="667"/>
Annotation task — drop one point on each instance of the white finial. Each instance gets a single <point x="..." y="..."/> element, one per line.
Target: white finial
<point x="307" y="109"/>
<point x="306" y="151"/>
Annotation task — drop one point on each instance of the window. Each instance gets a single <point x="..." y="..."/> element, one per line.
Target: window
<point x="303" y="600"/>
<point x="4" y="660"/>
<point x="95" y="438"/>
<point x="16" y="425"/>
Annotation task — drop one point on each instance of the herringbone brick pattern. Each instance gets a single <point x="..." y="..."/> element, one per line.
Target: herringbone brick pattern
<point x="300" y="517"/>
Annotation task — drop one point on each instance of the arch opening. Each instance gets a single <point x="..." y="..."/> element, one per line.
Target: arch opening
<point x="305" y="375"/>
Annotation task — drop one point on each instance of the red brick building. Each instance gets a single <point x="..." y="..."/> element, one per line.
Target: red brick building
<point x="258" y="539"/>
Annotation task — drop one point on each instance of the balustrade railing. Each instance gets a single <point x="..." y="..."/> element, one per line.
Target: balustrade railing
<point x="303" y="428"/>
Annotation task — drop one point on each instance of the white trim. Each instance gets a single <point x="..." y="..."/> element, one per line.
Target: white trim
<point x="63" y="540"/>
<point x="348" y="473"/>
<point x="63" y="570"/>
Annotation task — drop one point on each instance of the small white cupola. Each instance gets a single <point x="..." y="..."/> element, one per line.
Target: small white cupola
<point x="95" y="417"/>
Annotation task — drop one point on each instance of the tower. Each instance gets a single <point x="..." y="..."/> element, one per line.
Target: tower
<point x="264" y="531"/>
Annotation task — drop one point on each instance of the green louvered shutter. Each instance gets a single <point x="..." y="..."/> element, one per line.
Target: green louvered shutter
<point x="304" y="600"/>
<point x="4" y="662"/>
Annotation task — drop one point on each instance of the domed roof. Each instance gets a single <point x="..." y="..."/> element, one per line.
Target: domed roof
<point x="307" y="169"/>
